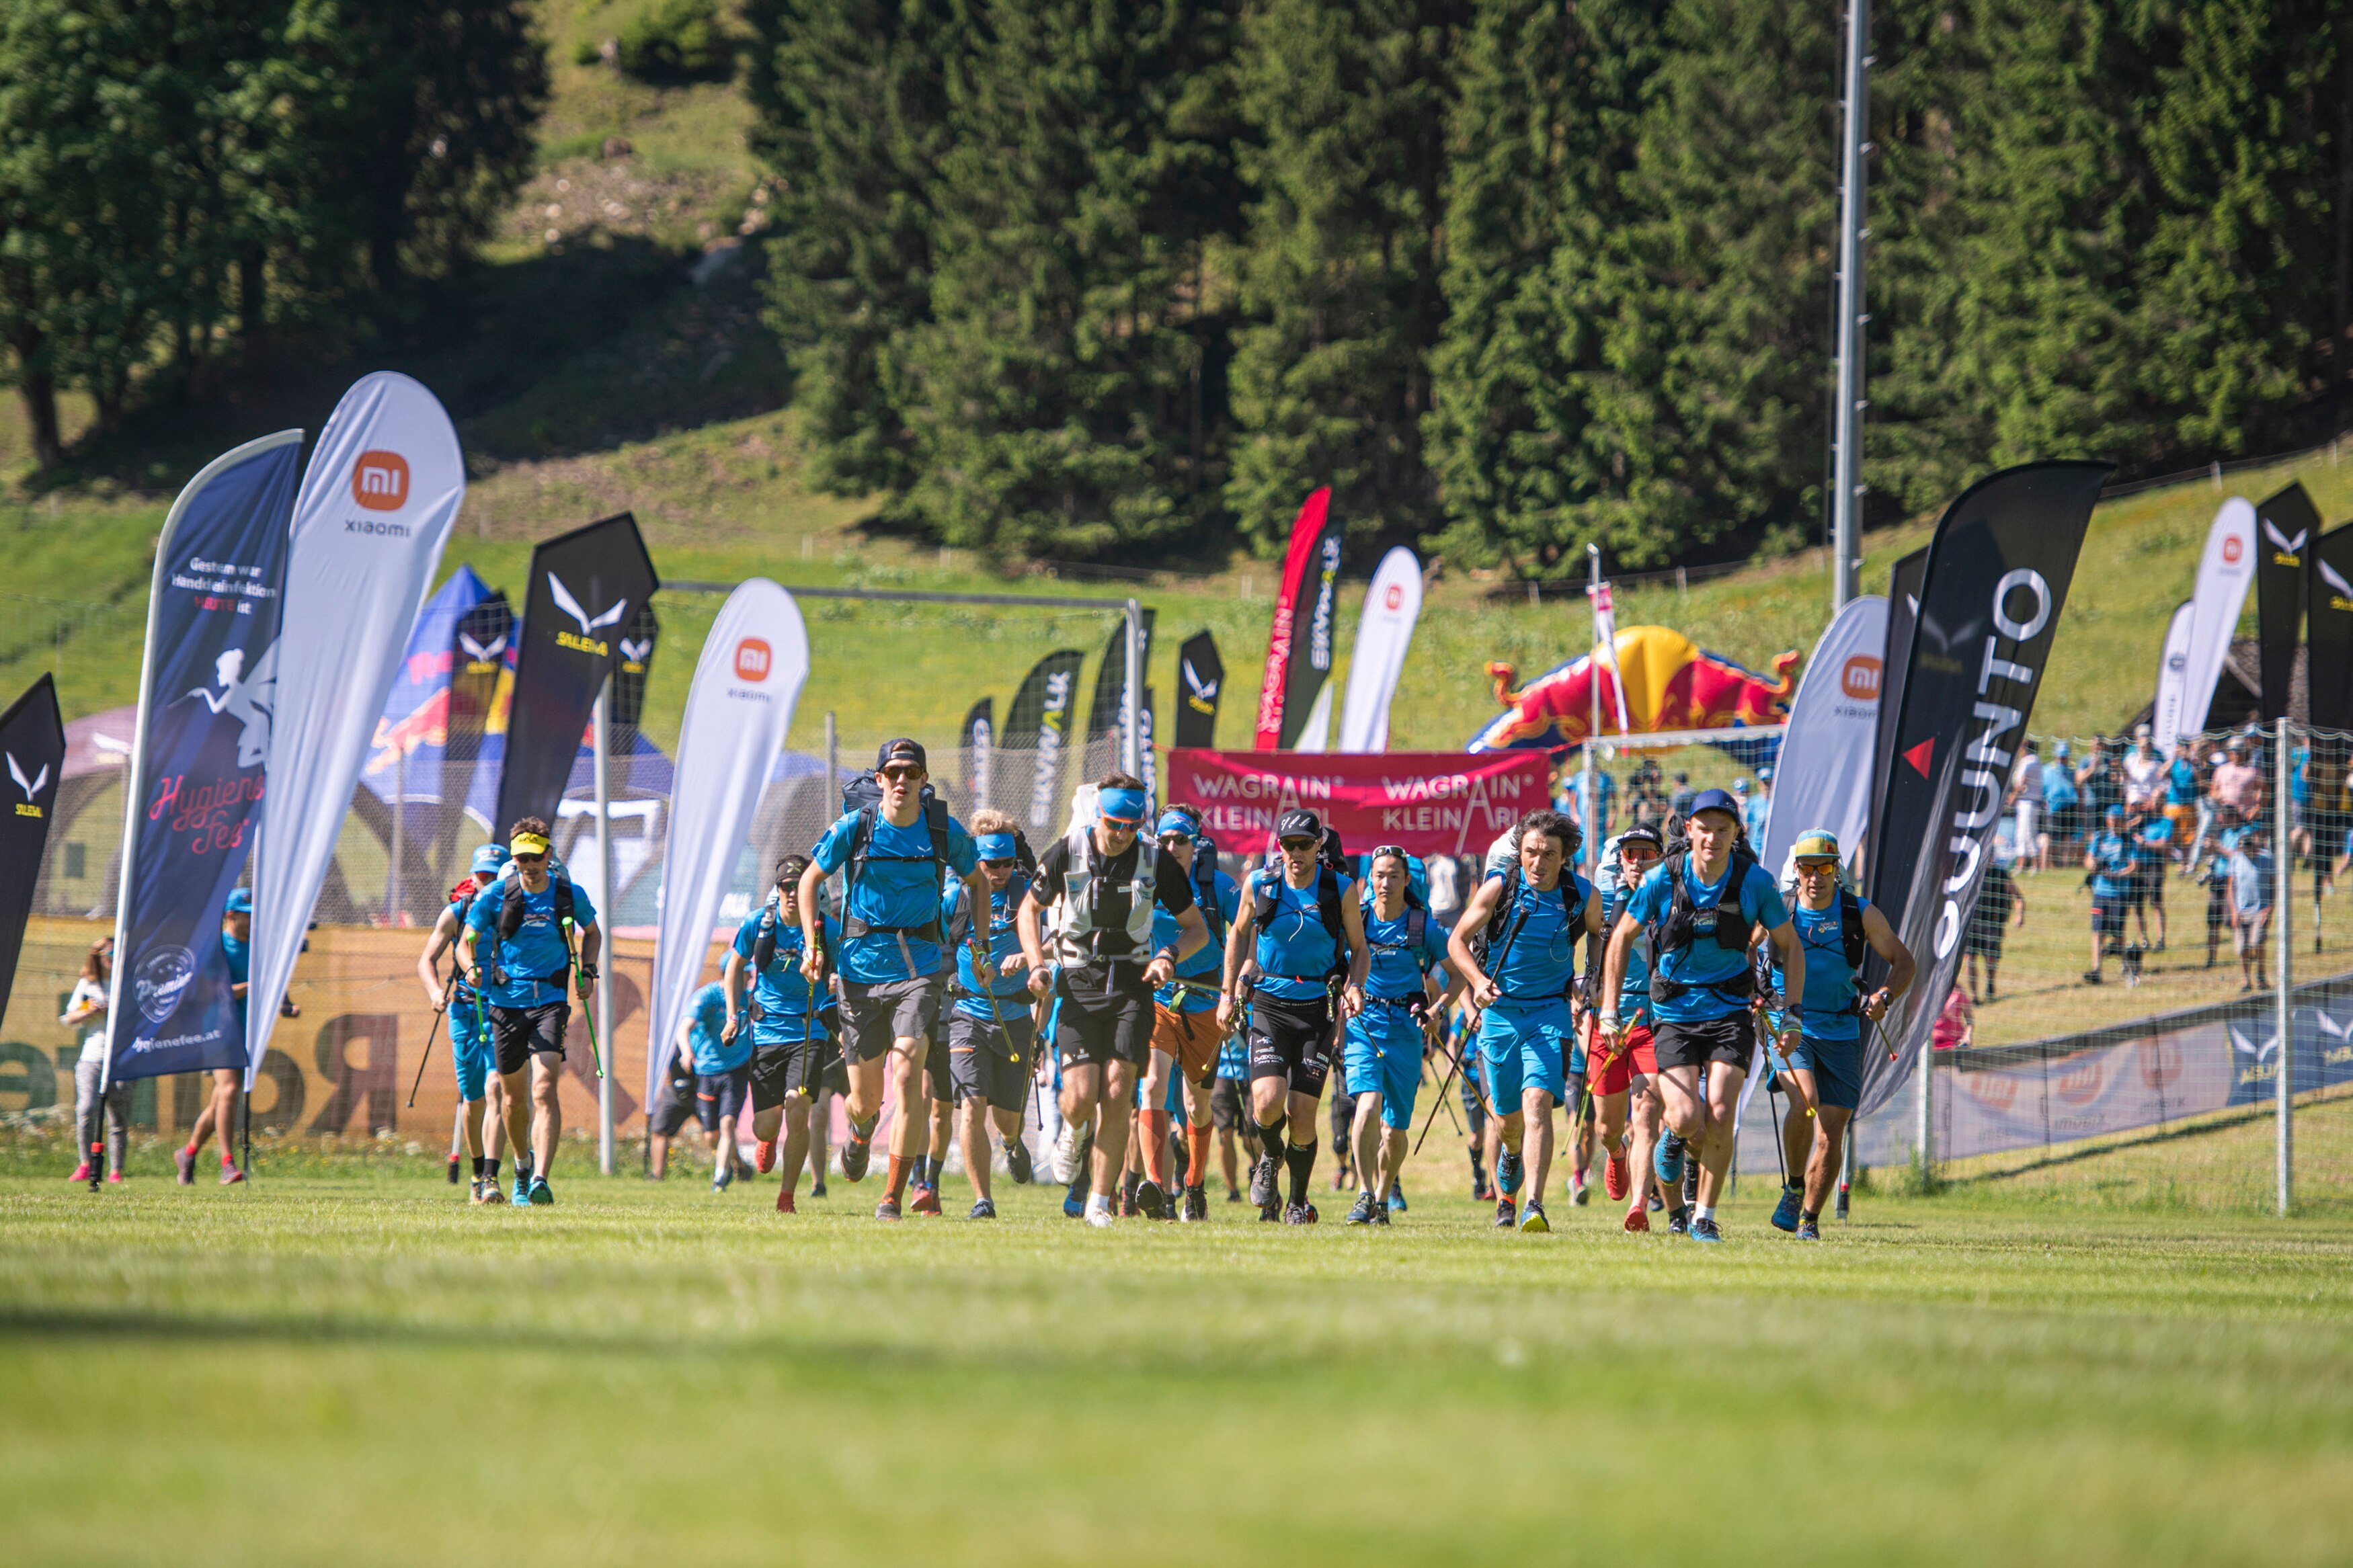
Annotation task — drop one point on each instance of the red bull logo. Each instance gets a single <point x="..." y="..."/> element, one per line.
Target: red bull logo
<point x="1671" y="683"/>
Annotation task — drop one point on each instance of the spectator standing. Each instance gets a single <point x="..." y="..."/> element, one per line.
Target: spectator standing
<point x="1757" y="807"/>
<point x="2251" y="904"/>
<point x="2238" y="783"/>
<point x="2000" y="905"/>
<point x="2182" y="795"/>
<point x="2099" y="785"/>
<point x="2108" y="857"/>
<point x="2144" y="771"/>
<point x="2061" y="807"/>
<point x="1956" y="1026"/>
<point x="2152" y="838"/>
<point x="86" y="1011"/>
<point x="1679" y="802"/>
<point x="2026" y="799"/>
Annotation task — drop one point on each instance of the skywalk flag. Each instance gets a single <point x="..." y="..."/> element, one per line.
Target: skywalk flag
<point x="1034" y="747"/>
<point x="1384" y="636"/>
<point x="33" y="740"/>
<point x="975" y="745"/>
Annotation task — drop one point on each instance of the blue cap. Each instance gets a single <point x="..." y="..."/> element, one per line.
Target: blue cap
<point x="1740" y="786"/>
<point x="1126" y="806"/>
<point x="240" y="901"/>
<point x="995" y="846"/>
<point x="490" y="858"/>
<point x="1716" y="800"/>
<point x="1174" y="822"/>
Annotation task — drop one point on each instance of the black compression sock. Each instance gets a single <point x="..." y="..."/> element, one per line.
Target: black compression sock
<point x="1303" y="1165"/>
<point x="490" y="1169"/>
<point x="1270" y="1136"/>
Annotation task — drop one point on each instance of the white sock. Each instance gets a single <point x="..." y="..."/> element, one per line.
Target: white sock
<point x="1098" y="1203"/>
<point x="1703" y="1210"/>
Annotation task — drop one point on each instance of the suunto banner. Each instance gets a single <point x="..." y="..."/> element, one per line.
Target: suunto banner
<point x="1903" y="609"/>
<point x="1200" y="676"/>
<point x="33" y="740"/>
<point x="1824" y="778"/>
<point x="1311" y="573"/>
<point x="738" y="712"/>
<point x="1384" y="634"/>
<point x="376" y="505"/>
<point x="1034" y="743"/>
<point x="1998" y="568"/>
<point x="2329" y="631"/>
<point x="2286" y="526"/>
<point x="586" y="586"/>
<point x="2225" y="569"/>
<point x="975" y="746"/>
<point x="193" y="793"/>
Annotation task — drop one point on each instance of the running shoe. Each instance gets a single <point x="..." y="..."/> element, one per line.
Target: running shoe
<point x="1532" y="1218"/>
<point x="723" y="1177"/>
<point x="1809" y="1230"/>
<point x="1262" y="1176"/>
<point x="1667" y="1161"/>
<point x="1654" y="1203"/>
<point x="1580" y="1193"/>
<point x="1637" y="1223"/>
<point x="1362" y="1214"/>
<point x="1396" y="1197"/>
<point x="1508" y="1214"/>
<point x="1150" y="1201"/>
<point x="1482" y="1192"/>
<point x="785" y="1201"/>
<point x="983" y="1209"/>
<point x="817" y="1188"/>
<point x="185" y="1159"/>
<point x="1614" y="1177"/>
<point x="1017" y="1162"/>
<point x="855" y="1154"/>
<point x="230" y="1175"/>
<point x="1271" y="1213"/>
<point x="926" y="1200"/>
<point x="1099" y="1217"/>
<point x="1233" y="1194"/>
<point x="114" y="1177"/>
<point x="764" y="1156"/>
<point x="1074" y="1208"/>
<point x="1299" y="1214"/>
<point x="1066" y="1151"/>
<point x="1508" y="1171"/>
<point x="1784" y="1213"/>
<point x="541" y="1196"/>
<point x="886" y="1209"/>
<point x="81" y="1172"/>
<point x="1679" y="1223"/>
<point x="1197" y="1205"/>
<point x="474" y="1192"/>
<point x="493" y="1194"/>
<point x="1381" y="1216"/>
<point x="1705" y="1230"/>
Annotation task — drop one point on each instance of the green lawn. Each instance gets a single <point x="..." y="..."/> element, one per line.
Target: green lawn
<point x="359" y="1368"/>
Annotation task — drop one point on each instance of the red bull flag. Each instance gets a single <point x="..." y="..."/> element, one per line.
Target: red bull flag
<point x="1662" y="681"/>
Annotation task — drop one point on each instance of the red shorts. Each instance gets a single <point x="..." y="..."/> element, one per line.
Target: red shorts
<point x="1635" y="1056"/>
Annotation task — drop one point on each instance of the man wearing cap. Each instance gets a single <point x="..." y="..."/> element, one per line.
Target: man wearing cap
<point x="1700" y="909"/>
<point x="1103" y="883"/>
<point x="1406" y="991"/>
<point x="469" y="1037"/>
<point x="220" y="1112"/>
<point x="1754" y="808"/>
<point x="2061" y="807"/>
<point x="895" y="857"/>
<point x="990" y="1034"/>
<point x="518" y="949"/>
<point x="1624" y="1076"/>
<point x="1184" y="1034"/>
<point x="1301" y="928"/>
<point x="1827" y="1060"/>
<point x="2108" y="857"/>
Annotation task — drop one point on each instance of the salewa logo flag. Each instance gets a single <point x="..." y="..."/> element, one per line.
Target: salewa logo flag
<point x="1277" y="723"/>
<point x="1384" y="636"/>
<point x="192" y="791"/>
<point x="1903" y="612"/>
<point x="1998" y="569"/>
<point x="2329" y="631"/>
<point x="2283" y="583"/>
<point x="582" y="584"/>
<point x="1033" y="749"/>
<point x="33" y="736"/>
<point x="1200" y="678"/>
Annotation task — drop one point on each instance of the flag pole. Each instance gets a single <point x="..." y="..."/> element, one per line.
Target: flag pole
<point x="1593" y="731"/>
<point x="603" y="1010"/>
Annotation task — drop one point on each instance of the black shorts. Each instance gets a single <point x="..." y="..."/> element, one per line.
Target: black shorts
<point x="2152" y="884"/>
<point x="1731" y="1040"/>
<point x="1105" y="1028"/>
<point x="523" y="1033"/>
<point x="1293" y="1041"/>
<point x="719" y="1098"/>
<point x="1226" y="1104"/>
<point x="670" y="1106"/>
<point x="1983" y="940"/>
<point x="938" y="1086"/>
<point x="795" y="1066"/>
<point x="2107" y="917"/>
<point x="980" y="1065"/>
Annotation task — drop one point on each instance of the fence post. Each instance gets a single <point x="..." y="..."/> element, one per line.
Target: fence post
<point x="2283" y="940"/>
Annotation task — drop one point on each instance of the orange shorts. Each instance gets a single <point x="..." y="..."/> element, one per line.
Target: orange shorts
<point x="1191" y="1037"/>
<point x="1635" y="1056"/>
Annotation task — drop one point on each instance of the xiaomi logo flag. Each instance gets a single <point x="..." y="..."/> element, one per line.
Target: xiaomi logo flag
<point x="753" y="658"/>
<point x="1860" y="678"/>
<point x="380" y="480"/>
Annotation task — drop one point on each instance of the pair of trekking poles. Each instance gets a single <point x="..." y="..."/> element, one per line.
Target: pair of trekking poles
<point x="572" y="966"/>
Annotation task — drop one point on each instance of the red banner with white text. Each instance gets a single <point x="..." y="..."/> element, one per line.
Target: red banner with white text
<point x="1431" y="803"/>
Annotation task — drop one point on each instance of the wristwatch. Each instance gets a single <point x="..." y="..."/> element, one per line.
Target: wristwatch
<point x="587" y="972"/>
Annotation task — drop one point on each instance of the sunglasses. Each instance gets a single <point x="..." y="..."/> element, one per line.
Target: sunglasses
<point x="903" y="775"/>
<point x="1291" y="846"/>
<point x="1006" y="861"/>
<point x="1381" y="849"/>
<point x="1811" y="863"/>
<point x="528" y="859"/>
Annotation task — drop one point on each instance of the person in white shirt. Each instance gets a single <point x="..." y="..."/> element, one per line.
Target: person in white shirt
<point x="2143" y="771"/>
<point x="2026" y="798"/>
<point x="86" y="1011"/>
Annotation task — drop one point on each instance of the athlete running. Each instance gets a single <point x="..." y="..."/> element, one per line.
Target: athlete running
<point x="469" y="1036"/>
<point x="1407" y="989"/>
<point x="1834" y="927"/>
<point x="1625" y="1075"/>
<point x="895" y="855"/>
<point x="721" y="1059"/>
<point x="990" y="1036"/>
<point x="518" y="949"/>
<point x="1186" y="1040"/>
<point x="1699" y="907"/>
<point x="220" y="1112"/>
<point x="793" y="1054"/>
<point x="1532" y="914"/>
<point x="1102" y="883"/>
<point x="1303" y="932"/>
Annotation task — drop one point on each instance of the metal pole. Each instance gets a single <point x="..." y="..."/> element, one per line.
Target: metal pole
<point x="1593" y="731"/>
<point x="832" y="767"/>
<point x="2282" y="1012"/>
<point x="400" y="824"/>
<point x="1130" y="696"/>
<point x="1846" y="452"/>
<point x="606" y="895"/>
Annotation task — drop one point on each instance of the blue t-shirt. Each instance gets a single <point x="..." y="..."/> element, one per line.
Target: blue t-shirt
<point x="535" y="954"/>
<point x="897" y="888"/>
<point x="239" y="954"/>
<point x="2251" y="877"/>
<point x="1828" y="1011"/>
<point x="2181" y="783"/>
<point x="781" y="990"/>
<point x="2152" y="842"/>
<point x="2058" y="784"/>
<point x="1205" y="968"/>
<point x="706" y="1021"/>
<point x="1705" y="965"/>
<point x="1536" y="967"/>
<point x="1634" y="991"/>
<point x="2113" y="863"/>
<point x="1753" y="812"/>
<point x="1397" y="968"/>
<point x="1292" y="942"/>
<point x="1009" y="994"/>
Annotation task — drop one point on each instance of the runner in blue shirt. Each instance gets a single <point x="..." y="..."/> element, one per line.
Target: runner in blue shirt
<point x="991" y="1037"/>
<point x="1407" y="990"/>
<point x="1827" y="1061"/>
<point x="2108" y="857"/>
<point x="220" y="1111"/>
<point x="469" y="1036"/>
<point x="1186" y="1040"/>
<point x="1531" y="915"/>
<point x="894" y="855"/>
<point x="793" y="1056"/>
<point x="518" y="962"/>
<point x="1700" y="909"/>
<point x="1624" y="1078"/>
<point x="2153" y="844"/>
<point x="722" y="1072"/>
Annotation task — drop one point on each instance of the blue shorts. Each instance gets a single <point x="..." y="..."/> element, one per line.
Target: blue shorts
<point x="1837" y="1067"/>
<point x="1381" y="1054"/>
<point x="1523" y="1045"/>
<point x="470" y="1051"/>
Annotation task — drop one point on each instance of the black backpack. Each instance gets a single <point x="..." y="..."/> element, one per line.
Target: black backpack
<point x="1264" y="894"/>
<point x="1205" y="874"/>
<point x="861" y="794"/>
<point x="1676" y="930"/>
<point x="1507" y="919"/>
<point x="510" y="919"/>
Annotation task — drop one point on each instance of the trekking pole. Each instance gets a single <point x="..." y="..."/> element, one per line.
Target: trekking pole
<point x="588" y="1017"/>
<point x="436" y="1029"/>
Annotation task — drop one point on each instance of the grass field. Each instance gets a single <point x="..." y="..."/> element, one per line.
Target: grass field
<point x="358" y="1368"/>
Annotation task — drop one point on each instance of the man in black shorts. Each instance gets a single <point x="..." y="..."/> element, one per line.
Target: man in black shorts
<point x="794" y="1053"/>
<point x="1102" y="882"/>
<point x="989" y="1034"/>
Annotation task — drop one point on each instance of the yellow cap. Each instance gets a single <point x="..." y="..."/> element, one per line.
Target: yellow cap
<point x="528" y="844"/>
<point x="1816" y="844"/>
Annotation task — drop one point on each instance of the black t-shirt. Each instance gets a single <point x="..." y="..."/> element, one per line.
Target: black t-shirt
<point x="1172" y="888"/>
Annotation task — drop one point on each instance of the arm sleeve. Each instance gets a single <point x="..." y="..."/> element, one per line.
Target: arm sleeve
<point x="1172" y="885"/>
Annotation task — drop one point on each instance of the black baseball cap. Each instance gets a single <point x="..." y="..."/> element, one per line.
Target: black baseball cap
<point x="901" y="749"/>
<point x="1298" y="823"/>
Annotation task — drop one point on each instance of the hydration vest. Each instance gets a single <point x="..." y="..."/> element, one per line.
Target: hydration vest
<point x="1854" y="944"/>
<point x="510" y="919"/>
<point x="1508" y="918"/>
<point x="1085" y="903"/>
<point x="1678" y="930"/>
<point x="1205" y="875"/>
<point x="862" y="839"/>
<point x="1265" y="895"/>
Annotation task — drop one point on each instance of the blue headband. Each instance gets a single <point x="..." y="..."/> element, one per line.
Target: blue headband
<point x="1174" y="822"/>
<point x="1122" y="805"/>
<point x="996" y="845"/>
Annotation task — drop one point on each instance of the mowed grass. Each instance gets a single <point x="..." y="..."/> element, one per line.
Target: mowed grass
<point x="360" y="1368"/>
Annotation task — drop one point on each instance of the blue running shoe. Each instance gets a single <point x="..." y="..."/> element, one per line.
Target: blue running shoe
<point x="1532" y="1218"/>
<point x="1508" y="1173"/>
<point x="1075" y="1208"/>
<point x="1809" y="1230"/>
<point x="1784" y="1213"/>
<point x="540" y="1196"/>
<point x="522" y="1191"/>
<point x="1705" y="1230"/>
<point x="1396" y="1197"/>
<point x="1667" y="1163"/>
